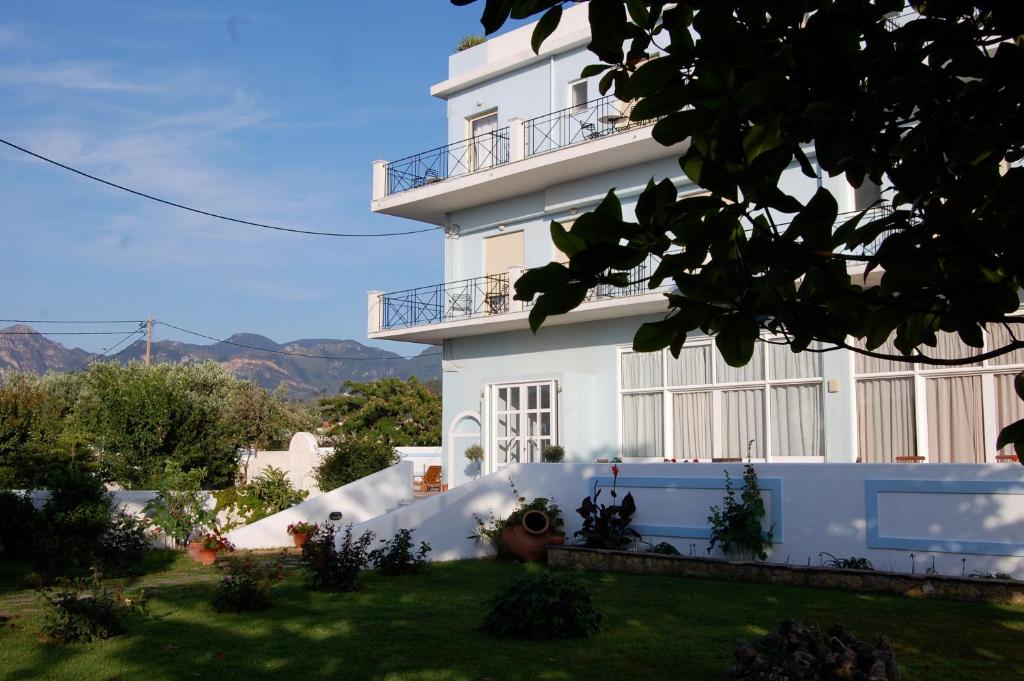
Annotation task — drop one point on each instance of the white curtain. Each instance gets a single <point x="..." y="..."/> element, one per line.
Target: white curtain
<point x="742" y="422"/>
<point x="784" y="363"/>
<point x="949" y="346"/>
<point x="797" y="420"/>
<point x="1009" y="407"/>
<point x="642" y="427"/>
<point x="641" y="370"/>
<point x="955" y="432"/>
<point x="999" y="337"/>
<point x="691" y="426"/>
<point x="692" y="367"/>
<point x="751" y="371"/>
<point x="885" y="419"/>
<point x="870" y="365"/>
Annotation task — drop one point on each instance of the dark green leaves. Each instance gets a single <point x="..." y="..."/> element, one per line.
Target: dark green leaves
<point x="545" y="27"/>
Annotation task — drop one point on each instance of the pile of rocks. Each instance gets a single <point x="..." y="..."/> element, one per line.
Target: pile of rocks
<point x="796" y="652"/>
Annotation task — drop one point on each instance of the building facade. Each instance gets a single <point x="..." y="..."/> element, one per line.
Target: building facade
<point x="529" y="142"/>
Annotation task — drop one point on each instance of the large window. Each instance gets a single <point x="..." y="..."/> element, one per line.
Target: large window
<point x="698" y="407"/>
<point x="908" y="413"/>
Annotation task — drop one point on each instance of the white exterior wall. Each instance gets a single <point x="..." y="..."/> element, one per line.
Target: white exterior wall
<point x="298" y="461"/>
<point x="969" y="513"/>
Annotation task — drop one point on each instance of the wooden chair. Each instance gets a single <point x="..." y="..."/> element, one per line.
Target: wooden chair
<point x="1007" y="458"/>
<point x="432" y="480"/>
<point x="909" y="459"/>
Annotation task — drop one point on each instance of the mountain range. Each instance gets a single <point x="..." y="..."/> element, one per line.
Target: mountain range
<point x="22" y="349"/>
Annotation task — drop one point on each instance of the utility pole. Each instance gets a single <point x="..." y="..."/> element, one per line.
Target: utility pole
<point x="149" y="340"/>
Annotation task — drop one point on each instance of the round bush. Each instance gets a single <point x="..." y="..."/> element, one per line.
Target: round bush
<point x="543" y="606"/>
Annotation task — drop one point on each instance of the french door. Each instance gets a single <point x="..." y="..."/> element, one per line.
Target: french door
<point x="522" y="422"/>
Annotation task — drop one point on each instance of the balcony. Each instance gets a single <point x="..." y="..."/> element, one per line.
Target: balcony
<point x="528" y="155"/>
<point x="486" y="305"/>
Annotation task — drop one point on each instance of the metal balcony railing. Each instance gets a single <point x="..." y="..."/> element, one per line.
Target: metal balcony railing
<point x="459" y="158"/>
<point x="593" y="120"/>
<point x="446" y="302"/>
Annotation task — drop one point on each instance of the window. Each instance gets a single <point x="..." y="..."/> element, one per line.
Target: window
<point x="578" y="96"/>
<point x="936" y="414"/>
<point x="483" y="147"/>
<point x="522" y="422"/>
<point x="698" y="407"/>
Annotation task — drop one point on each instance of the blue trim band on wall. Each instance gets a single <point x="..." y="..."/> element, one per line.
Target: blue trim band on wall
<point x="773" y="485"/>
<point x="875" y="540"/>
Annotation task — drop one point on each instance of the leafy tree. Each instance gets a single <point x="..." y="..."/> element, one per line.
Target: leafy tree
<point x="928" y="107"/>
<point x="396" y="412"/>
<point x="355" y="457"/>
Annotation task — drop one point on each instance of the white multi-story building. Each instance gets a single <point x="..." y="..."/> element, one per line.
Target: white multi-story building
<point x="529" y="142"/>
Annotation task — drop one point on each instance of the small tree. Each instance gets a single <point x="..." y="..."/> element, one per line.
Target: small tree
<point x="352" y="459"/>
<point x="736" y="525"/>
<point x="180" y="507"/>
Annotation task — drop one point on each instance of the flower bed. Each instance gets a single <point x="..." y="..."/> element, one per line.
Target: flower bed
<point x="938" y="586"/>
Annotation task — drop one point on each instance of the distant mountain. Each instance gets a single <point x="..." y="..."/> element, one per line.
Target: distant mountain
<point x="305" y="377"/>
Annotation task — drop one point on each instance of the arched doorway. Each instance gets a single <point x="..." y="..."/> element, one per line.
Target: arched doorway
<point x="465" y="430"/>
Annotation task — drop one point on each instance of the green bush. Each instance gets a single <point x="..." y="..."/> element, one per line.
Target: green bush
<point x="246" y="584"/>
<point x="736" y="525"/>
<point x="336" y="568"/>
<point x="86" y="611"/>
<point x="268" y="493"/>
<point x="122" y="547"/>
<point x="17" y="521"/>
<point x="352" y="459"/>
<point x="468" y="41"/>
<point x="71" y="523"/>
<point x="179" y="509"/>
<point x="396" y="557"/>
<point x="553" y="454"/>
<point x="543" y="606"/>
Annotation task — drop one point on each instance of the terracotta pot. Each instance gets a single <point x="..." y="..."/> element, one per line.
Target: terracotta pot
<point x="529" y="539"/>
<point x="201" y="554"/>
<point x="300" y="538"/>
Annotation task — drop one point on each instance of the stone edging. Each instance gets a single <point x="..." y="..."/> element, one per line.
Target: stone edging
<point x="936" y="586"/>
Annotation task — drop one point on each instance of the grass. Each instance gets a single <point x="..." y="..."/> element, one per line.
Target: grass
<point x="425" y="628"/>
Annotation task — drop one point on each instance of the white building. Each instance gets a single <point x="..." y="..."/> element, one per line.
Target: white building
<point x="530" y="142"/>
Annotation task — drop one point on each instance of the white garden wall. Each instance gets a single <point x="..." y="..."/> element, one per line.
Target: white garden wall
<point x="299" y="461"/>
<point x="965" y="517"/>
<point x="357" y="501"/>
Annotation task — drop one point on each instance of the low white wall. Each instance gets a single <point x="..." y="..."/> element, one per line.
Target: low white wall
<point x="357" y="501"/>
<point x="421" y="457"/>
<point x="885" y="512"/>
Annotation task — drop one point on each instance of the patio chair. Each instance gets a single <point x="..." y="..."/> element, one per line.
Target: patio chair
<point x="432" y="480"/>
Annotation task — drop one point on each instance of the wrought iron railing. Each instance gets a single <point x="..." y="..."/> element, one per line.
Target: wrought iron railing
<point x="581" y="123"/>
<point x="446" y="302"/>
<point x="459" y="158"/>
<point x="878" y="212"/>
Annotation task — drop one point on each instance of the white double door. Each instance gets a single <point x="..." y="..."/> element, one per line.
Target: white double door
<point x="522" y="422"/>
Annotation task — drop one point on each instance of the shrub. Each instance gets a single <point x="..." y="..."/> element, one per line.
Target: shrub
<point x="607" y="527"/>
<point x="246" y="584"/>
<point x="302" y="527"/>
<point x="336" y="568"/>
<point x="396" y="557"/>
<point x="795" y="651"/>
<point x="69" y="526"/>
<point x="851" y="563"/>
<point x="123" y="546"/>
<point x="475" y="453"/>
<point x="736" y="525"/>
<point x="179" y="508"/>
<point x="86" y="610"/>
<point x="352" y="459"/>
<point x="268" y="493"/>
<point x="552" y="454"/>
<point x="468" y="41"/>
<point x="543" y="606"/>
<point x="491" y="529"/>
<point x="17" y="518"/>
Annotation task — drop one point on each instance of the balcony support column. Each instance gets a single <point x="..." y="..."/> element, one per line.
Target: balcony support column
<point x="514" y="273"/>
<point x="516" y="139"/>
<point x="373" y="311"/>
<point x="380" y="179"/>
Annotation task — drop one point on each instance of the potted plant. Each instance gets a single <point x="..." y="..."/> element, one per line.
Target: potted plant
<point x="552" y="454"/>
<point x="475" y="454"/>
<point x="301" y="532"/>
<point x="205" y="549"/>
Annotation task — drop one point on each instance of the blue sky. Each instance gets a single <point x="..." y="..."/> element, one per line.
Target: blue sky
<point x="267" y="111"/>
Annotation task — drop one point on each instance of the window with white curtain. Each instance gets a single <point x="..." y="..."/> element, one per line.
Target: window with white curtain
<point x="934" y="414"/>
<point x="698" y="407"/>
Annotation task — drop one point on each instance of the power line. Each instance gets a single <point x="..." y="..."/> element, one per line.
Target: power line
<point x="294" y="354"/>
<point x="206" y="212"/>
<point x="105" y="356"/>
<point x="62" y="333"/>
<point x="75" y="321"/>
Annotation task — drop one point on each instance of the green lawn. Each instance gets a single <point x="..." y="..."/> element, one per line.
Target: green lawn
<point x="425" y="628"/>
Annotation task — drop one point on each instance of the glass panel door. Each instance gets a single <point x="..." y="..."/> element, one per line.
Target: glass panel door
<point x="484" y="148"/>
<point x="523" y="422"/>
